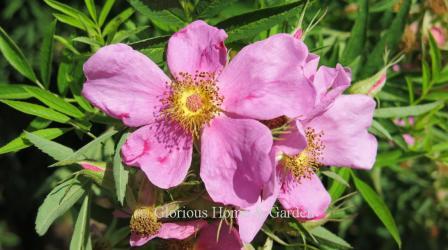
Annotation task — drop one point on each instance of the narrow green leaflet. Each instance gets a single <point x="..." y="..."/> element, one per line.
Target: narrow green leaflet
<point x="15" y="57"/>
<point x="46" y="54"/>
<point x="248" y="25"/>
<point x="105" y="11"/>
<point x="121" y="174"/>
<point x="164" y="20"/>
<point x="14" y="91"/>
<point x="357" y="39"/>
<point x="69" y="20"/>
<point x="58" y="201"/>
<point x="406" y="111"/>
<point x="81" y="232"/>
<point x="327" y="238"/>
<point x="436" y="57"/>
<point x="378" y="206"/>
<point x="112" y="26"/>
<point x="214" y="8"/>
<point x="90" y="4"/>
<point x="55" y="102"/>
<point x="155" y="54"/>
<point x="55" y="150"/>
<point x="380" y="129"/>
<point x="82" y="153"/>
<point x="337" y="188"/>
<point x="37" y="110"/>
<point x="22" y="142"/>
<point x="70" y="12"/>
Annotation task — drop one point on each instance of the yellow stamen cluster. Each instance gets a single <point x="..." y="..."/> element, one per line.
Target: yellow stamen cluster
<point x="187" y="244"/>
<point x="307" y="162"/>
<point x="193" y="101"/>
<point x="144" y="222"/>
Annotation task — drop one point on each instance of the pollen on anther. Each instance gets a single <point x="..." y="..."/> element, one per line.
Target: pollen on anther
<point x="144" y="222"/>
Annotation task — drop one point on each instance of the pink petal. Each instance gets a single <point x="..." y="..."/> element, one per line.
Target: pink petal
<point x="170" y="230"/>
<point x="124" y="83"/>
<point x="235" y="159"/>
<point x="251" y="219"/>
<point x="293" y="142"/>
<point x="163" y="155"/>
<point x="409" y="139"/>
<point x="346" y="139"/>
<point x="180" y="230"/>
<point x="329" y="83"/>
<point x="305" y="200"/>
<point x="228" y="238"/>
<point x="197" y="47"/>
<point x="310" y="68"/>
<point x="265" y="80"/>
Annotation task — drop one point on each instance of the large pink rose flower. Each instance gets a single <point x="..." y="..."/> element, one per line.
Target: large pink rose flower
<point x="334" y="133"/>
<point x="205" y="101"/>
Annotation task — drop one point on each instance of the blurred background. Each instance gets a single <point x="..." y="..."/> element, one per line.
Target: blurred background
<point x="410" y="175"/>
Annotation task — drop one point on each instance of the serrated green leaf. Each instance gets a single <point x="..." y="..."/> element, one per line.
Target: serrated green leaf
<point x="416" y="110"/>
<point x="214" y="8"/>
<point x="46" y="54"/>
<point x="55" y="150"/>
<point x="157" y="55"/>
<point x="72" y="12"/>
<point x="14" y="91"/>
<point x="81" y="232"/>
<point x="58" y="202"/>
<point x="330" y="239"/>
<point x="15" y="57"/>
<point x="83" y="152"/>
<point x="86" y="40"/>
<point x="379" y="207"/>
<point x="55" y="102"/>
<point x="69" y="20"/>
<point x="121" y="174"/>
<point x="358" y="34"/>
<point x="248" y="25"/>
<point x="113" y="25"/>
<point x="164" y="20"/>
<point x="105" y="11"/>
<point x="21" y="142"/>
<point x="37" y="110"/>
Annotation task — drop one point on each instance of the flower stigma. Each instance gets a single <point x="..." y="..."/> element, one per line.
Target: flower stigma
<point x="144" y="222"/>
<point x="307" y="162"/>
<point x="193" y="101"/>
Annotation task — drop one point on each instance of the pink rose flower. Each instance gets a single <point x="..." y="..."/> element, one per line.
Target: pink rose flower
<point x="334" y="133"/>
<point x="205" y="100"/>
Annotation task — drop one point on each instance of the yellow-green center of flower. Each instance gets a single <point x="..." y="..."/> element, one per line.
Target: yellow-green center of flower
<point x="144" y="222"/>
<point x="193" y="101"/>
<point x="307" y="162"/>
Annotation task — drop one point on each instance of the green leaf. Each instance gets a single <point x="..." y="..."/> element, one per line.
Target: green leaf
<point x="72" y="12"/>
<point x="81" y="232"/>
<point x="82" y="153"/>
<point x="113" y="25"/>
<point x="15" y="57"/>
<point x="121" y="174"/>
<point x="436" y="57"/>
<point x="105" y="11"/>
<point x="330" y="239"/>
<point x="248" y="25"/>
<point x="337" y="188"/>
<point x="14" y="91"/>
<point x="22" y="142"/>
<point x="389" y="40"/>
<point x="157" y="55"/>
<point x="37" y="110"/>
<point x="55" y="150"/>
<point x="164" y="20"/>
<point x="358" y="34"/>
<point x="69" y="20"/>
<point x="382" y="130"/>
<point x="46" y="54"/>
<point x="67" y="44"/>
<point x="379" y="207"/>
<point x="214" y="8"/>
<point x="63" y="78"/>
<point x="55" y="102"/>
<point x="59" y="201"/>
<point x="91" y="8"/>
<point x="335" y="177"/>
<point x="416" y="110"/>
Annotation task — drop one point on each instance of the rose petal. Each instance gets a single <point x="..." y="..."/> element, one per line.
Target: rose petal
<point x="197" y="47"/>
<point x="345" y="136"/>
<point x="180" y="230"/>
<point x="235" y="159"/>
<point x="125" y="84"/>
<point x="163" y="153"/>
<point x="228" y="238"/>
<point x="293" y="142"/>
<point x="265" y="80"/>
<point x="305" y="200"/>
